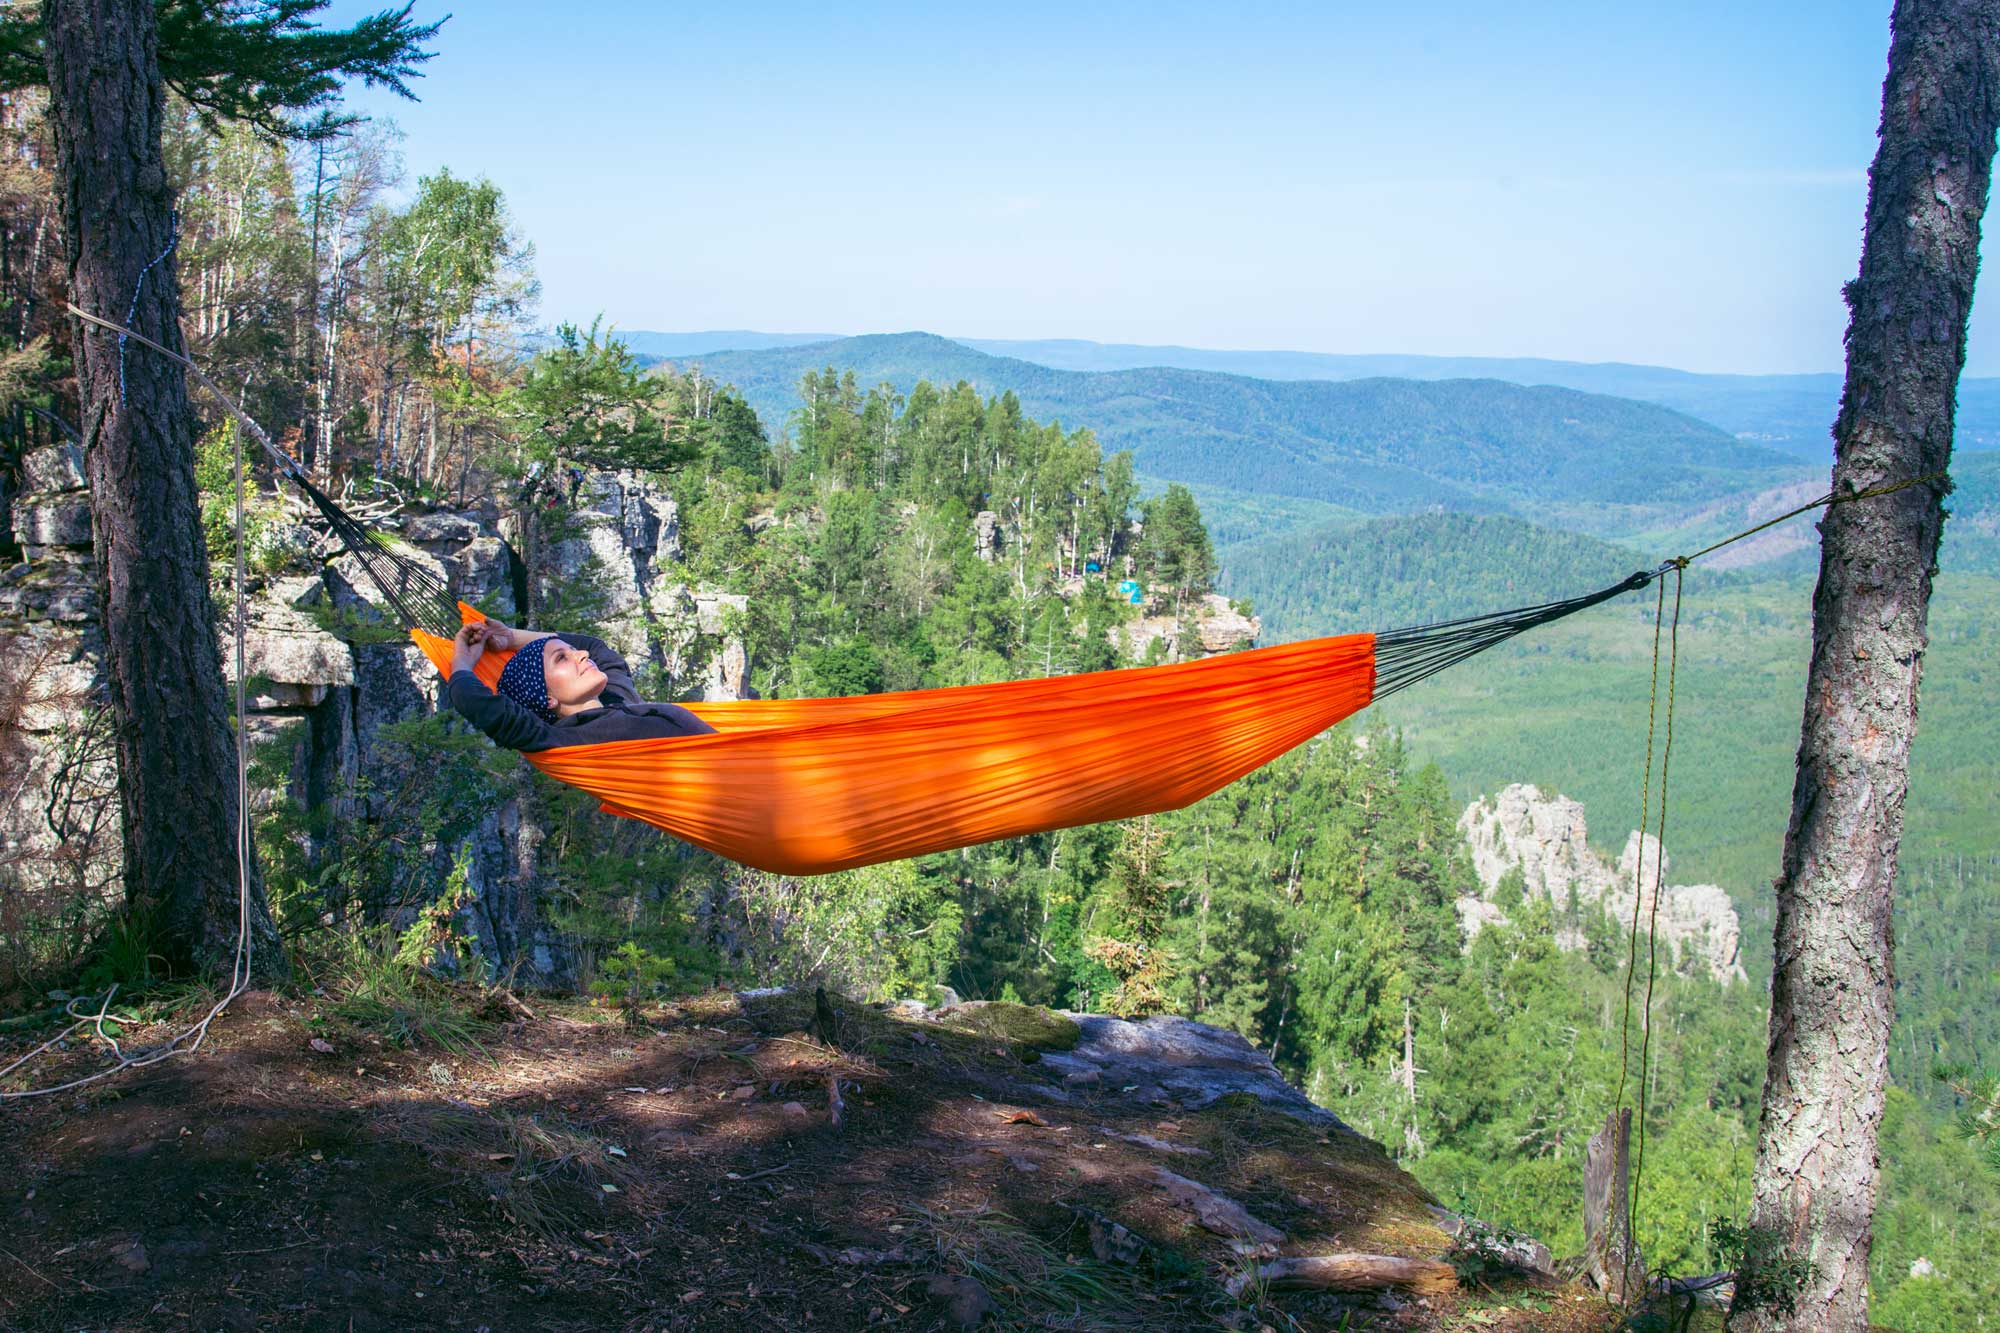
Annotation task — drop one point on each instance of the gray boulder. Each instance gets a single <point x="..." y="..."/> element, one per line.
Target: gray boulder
<point x="1180" y="1062"/>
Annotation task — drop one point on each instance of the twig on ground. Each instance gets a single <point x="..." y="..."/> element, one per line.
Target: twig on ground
<point x="30" y="1267"/>
<point x="271" y="1249"/>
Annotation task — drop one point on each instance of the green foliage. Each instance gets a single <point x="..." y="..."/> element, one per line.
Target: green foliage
<point x="877" y="932"/>
<point x="1413" y="569"/>
<point x="265" y="63"/>
<point x="586" y="400"/>
<point x="618" y="890"/>
<point x="1947" y="973"/>
<point x="125" y="953"/>
<point x="1175" y="549"/>
<point x="632" y="974"/>
<point x="1978" y="1095"/>
<point x="1779" y="1276"/>
<point x="433" y="939"/>
<point x="266" y="544"/>
<point x="1940" y="1207"/>
<point x="433" y="783"/>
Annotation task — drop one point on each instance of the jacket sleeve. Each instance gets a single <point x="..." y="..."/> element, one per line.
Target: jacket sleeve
<point x="510" y="725"/>
<point x="618" y="686"/>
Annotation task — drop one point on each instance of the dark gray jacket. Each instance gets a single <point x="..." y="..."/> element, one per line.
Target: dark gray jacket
<point x="624" y="716"/>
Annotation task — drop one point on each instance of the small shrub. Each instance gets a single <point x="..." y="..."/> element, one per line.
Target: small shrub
<point x="374" y="989"/>
<point x="633" y="975"/>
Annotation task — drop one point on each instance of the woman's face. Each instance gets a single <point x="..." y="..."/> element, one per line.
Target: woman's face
<point x="571" y="676"/>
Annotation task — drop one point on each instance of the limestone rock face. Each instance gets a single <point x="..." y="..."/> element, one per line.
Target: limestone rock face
<point x="442" y="527"/>
<point x="1545" y="839"/>
<point x="283" y="644"/>
<point x="60" y="834"/>
<point x="1218" y="628"/>
<point x="986" y="535"/>
<point x="59" y="467"/>
<point x="53" y="520"/>
<point x="483" y="572"/>
<point x="54" y="584"/>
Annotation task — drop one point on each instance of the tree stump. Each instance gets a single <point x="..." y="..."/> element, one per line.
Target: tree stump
<point x="1611" y="1256"/>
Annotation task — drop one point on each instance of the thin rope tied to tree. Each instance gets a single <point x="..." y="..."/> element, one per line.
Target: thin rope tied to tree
<point x="189" y="1040"/>
<point x="139" y="285"/>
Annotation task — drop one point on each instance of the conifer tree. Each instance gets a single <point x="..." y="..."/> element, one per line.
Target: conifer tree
<point x="1832" y="989"/>
<point x="107" y="65"/>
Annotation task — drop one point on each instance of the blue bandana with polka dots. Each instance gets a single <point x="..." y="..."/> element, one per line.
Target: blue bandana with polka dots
<point x="523" y="681"/>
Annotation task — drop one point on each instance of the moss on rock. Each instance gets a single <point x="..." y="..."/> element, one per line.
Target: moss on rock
<point x="1026" y="1025"/>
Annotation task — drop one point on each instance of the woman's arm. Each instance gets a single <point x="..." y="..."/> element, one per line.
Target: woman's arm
<point x="505" y="721"/>
<point x="504" y="638"/>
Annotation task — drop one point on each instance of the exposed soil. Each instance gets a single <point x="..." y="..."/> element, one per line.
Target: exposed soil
<point x="586" y="1173"/>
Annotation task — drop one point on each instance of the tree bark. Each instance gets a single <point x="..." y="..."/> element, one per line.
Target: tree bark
<point x="176" y="753"/>
<point x="1831" y="1000"/>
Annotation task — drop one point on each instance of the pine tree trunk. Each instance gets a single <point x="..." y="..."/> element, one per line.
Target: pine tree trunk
<point x="176" y="752"/>
<point x="1831" y="1000"/>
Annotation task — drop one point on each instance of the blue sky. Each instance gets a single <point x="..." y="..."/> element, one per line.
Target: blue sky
<point x="1677" y="184"/>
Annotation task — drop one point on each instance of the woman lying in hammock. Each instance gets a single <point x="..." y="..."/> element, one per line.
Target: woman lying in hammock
<point x="558" y="689"/>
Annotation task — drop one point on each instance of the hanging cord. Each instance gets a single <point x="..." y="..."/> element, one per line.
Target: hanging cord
<point x="1414" y="653"/>
<point x="1639" y="862"/>
<point x="1657" y="822"/>
<point x="190" y="1040"/>
<point x="1830" y="499"/>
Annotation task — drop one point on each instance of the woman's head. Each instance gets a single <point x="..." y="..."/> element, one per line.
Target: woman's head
<point x="551" y="678"/>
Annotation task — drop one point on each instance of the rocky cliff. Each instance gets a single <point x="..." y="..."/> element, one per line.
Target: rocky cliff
<point x="322" y="697"/>
<point x="1545" y="839"/>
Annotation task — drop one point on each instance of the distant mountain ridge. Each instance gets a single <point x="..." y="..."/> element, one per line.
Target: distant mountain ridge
<point x="1375" y="446"/>
<point x="1790" y="412"/>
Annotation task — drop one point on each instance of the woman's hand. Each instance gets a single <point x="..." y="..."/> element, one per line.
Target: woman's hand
<point x="470" y="646"/>
<point x="498" y="637"/>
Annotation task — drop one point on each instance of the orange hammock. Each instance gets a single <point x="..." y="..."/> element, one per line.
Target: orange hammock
<point x="807" y="786"/>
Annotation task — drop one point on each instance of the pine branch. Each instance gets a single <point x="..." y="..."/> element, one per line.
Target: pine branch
<point x="262" y="62"/>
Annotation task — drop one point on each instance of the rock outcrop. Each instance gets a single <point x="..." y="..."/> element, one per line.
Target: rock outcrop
<point x="1545" y="840"/>
<point x="57" y="581"/>
<point x="319" y="699"/>
<point x="1216" y="626"/>
<point x="1164" y="1061"/>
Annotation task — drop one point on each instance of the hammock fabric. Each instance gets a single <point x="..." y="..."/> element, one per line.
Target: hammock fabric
<point x="808" y="786"/>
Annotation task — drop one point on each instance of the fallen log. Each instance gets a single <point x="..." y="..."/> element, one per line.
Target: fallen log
<point x="1350" y="1272"/>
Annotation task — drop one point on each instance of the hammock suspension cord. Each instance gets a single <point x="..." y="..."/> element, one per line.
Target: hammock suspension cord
<point x="1659" y="828"/>
<point x="412" y="588"/>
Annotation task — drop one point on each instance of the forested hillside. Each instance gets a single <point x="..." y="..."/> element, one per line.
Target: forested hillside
<point x="1413" y="569"/>
<point x="1379" y="446"/>
<point x="1791" y="413"/>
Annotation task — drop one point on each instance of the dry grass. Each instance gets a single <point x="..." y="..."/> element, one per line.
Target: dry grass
<point x="546" y="1174"/>
<point x="1033" y="1282"/>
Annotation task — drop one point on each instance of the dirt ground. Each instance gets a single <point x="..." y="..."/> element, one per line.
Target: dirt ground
<point x="580" y="1172"/>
